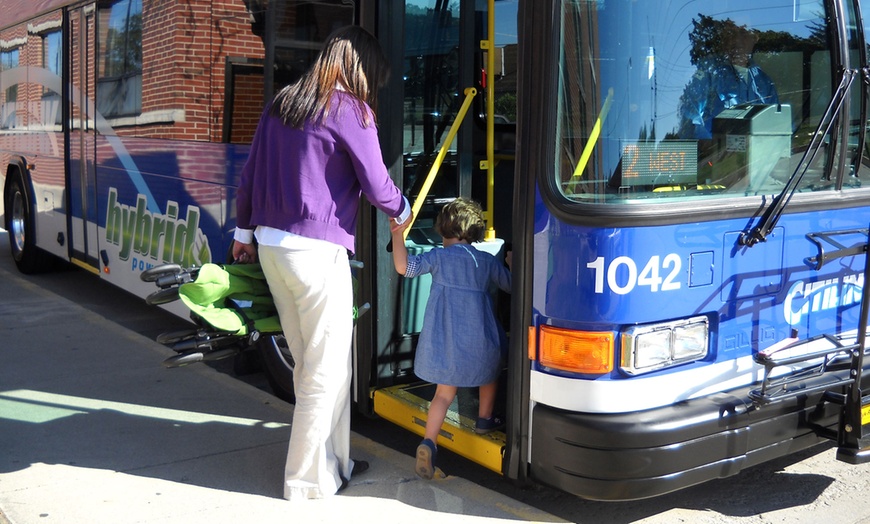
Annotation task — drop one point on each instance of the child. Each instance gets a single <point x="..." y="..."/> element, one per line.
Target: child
<point x="460" y="342"/>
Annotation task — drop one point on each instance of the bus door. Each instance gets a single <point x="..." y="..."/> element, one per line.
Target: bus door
<point x="440" y="144"/>
<point x="81" y="148"/>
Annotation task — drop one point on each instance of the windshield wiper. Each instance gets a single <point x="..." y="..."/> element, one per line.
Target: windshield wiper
<point x="771" y="216"/>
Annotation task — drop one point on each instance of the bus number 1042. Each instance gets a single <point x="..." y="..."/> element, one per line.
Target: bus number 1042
<point x="622" y="277"/>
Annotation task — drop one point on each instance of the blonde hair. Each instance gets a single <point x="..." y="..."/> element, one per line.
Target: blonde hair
<point x="351" y="58"/>
<point x="461" y="219"/>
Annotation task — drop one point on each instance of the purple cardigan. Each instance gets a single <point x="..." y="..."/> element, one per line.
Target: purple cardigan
<point x="308" y="182"/>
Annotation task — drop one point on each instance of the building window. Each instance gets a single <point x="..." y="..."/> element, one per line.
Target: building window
<point x="52" y="52"/>
<point x="52" y="60"/>
<point x="119" y="85"/>
<point x="8" y="107"/>
<point x="9" y="60"/>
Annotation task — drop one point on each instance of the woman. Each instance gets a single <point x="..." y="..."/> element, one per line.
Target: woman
<point x="314" y="153"/>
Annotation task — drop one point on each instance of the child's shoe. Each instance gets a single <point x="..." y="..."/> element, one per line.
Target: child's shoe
<point x="488" y="425"/>
<point x="426" y="452"/>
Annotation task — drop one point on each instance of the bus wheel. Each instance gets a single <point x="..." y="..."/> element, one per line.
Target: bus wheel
<point x="20" y="225"/>
<point x="278" y="366"/>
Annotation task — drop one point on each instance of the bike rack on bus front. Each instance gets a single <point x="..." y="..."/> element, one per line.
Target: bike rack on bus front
<point x="828" y="350"/>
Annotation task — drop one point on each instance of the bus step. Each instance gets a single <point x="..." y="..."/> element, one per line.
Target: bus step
<point x="407" y="406"/>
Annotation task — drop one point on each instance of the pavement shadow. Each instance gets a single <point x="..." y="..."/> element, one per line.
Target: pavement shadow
<point x="230" y="453"/>
<point x="757" y="490"/>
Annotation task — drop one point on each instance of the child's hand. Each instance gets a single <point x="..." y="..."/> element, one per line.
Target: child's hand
<point x="397" y="244"/>
<point x="396" y="228"/>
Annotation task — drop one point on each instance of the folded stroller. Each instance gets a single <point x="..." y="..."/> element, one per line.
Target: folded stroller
<point x="230" y="304"/>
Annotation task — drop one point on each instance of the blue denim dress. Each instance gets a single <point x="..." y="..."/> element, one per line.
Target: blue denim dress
<point x="460" y="342"/>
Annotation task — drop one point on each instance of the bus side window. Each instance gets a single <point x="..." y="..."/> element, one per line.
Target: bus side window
<point x="119" y="70"/>
<point x="9" y="96"/>
<point x="862" y="176"/>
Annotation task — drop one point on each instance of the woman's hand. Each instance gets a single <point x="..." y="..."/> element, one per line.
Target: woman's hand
<point x="399" y="229"/>
<point x="244" y="253"/>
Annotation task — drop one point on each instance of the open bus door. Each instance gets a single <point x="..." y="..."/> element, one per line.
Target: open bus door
<point x="450" y="134"/>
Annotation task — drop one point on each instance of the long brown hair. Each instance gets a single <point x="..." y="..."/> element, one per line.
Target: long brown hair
<point x="351" y="58"/>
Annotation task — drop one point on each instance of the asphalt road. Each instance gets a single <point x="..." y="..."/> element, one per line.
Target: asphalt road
<point x="809" y="487"/>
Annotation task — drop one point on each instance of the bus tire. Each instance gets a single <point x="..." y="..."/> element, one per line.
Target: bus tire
<point x="248" y="362"/>
<point x="21" y="225"/>
<point x="278" y="366"/>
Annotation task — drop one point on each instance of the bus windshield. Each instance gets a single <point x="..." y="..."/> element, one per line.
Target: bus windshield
<point x="690" y="100"/>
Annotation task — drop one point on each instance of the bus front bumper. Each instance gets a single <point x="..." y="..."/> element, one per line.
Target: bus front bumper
<point x="637" y="455"/>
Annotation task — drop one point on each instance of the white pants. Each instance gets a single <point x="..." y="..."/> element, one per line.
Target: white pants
<point x="313" y="293"/>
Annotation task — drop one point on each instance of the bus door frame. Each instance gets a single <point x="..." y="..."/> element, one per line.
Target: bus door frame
<point x="384" y="351"/>
<point x="80" y="136"/>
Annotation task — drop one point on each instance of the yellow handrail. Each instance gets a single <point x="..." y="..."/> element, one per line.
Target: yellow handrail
<point x="489" y="163"/>
<point x="593" y="136"/>
<point x="490" y="120"/>
<point x="470" y="92"/>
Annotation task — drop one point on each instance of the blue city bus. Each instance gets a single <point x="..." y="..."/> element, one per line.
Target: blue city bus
<point x="680" y="185"/>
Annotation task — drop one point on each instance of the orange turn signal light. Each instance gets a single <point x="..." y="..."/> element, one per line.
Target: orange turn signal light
<point x="576" y="351"/>
<point x="533" y="343"/>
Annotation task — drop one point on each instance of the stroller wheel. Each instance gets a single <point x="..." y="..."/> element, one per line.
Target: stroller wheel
<point x="164" y="296"/>
<point x="219" y="354"/>
<point x="152" y="274"/>
<point x="205" y="341"/>
<point x="171" y="337"/>
<point x="183" y="359"/>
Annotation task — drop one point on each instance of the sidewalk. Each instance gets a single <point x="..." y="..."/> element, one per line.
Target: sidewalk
<point x="94" y="430"/>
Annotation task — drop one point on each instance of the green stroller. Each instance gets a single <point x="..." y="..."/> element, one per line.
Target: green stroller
<point x="229" y="303"/>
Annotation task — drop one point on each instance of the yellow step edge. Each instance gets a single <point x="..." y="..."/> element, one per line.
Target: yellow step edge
<point x="409" y="411"/>
<point x="85" y="266"/>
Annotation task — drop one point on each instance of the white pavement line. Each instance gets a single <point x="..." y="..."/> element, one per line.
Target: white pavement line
<point x="54" y="401"/>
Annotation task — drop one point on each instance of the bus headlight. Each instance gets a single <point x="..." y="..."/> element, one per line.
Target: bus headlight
<point x="655" y="346"/>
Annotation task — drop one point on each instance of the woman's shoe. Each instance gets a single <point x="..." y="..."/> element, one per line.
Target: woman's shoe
<point x="488" y="425"/>
<point x="359" y="466"/>
<point x="426" y="452"/>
